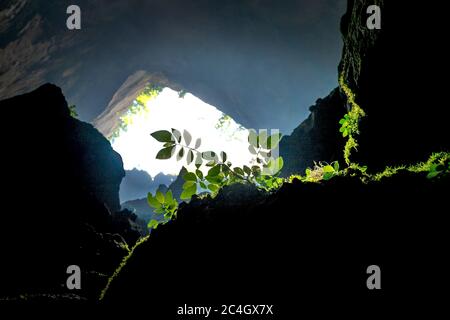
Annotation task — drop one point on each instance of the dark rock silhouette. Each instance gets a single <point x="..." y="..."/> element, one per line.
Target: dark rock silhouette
<point x="61" y="182"/>
<point x="307" y="246"/>
<point x="394" y="73"/>
<point x="314" y="240"/>
<point x="317" y="138"/>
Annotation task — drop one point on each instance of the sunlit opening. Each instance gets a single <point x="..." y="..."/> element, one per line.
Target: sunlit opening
<point x="169" y="110"/>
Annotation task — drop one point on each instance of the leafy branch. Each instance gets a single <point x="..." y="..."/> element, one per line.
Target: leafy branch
<point x="165" y="206"/>
<point x="263" y="173"/>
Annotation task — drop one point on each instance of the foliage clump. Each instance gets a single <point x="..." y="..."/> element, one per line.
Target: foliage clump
<point x="139" y="106"/>
<point x="214" y="170"/>
<point x="73" y="111"/>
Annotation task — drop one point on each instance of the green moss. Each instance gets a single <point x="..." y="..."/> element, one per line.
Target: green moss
<point x="387" y="173"/>
<point x="121" y="266"/>
<point x="350" y="123"/>
<point x="440" y="158"/>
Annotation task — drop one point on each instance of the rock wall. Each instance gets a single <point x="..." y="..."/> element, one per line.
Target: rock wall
<point x="240" y="56"/>
<point x="396" y="74"/>
<point x="317" y="138"/>
<point x="61" y="181"/>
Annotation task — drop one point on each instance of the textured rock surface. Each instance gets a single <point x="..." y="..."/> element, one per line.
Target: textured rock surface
<point x="311" y="239"/>
<point x="240" y="56"/>
<point x="61" y="181"/>
<point x="394" y="73"/>
<point x="317" y="138"/>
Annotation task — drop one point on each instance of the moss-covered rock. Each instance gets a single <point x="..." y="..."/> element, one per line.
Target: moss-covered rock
<point x="392" y="74"/>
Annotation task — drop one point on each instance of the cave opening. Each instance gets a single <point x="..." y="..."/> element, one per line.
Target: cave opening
<point x="162" y="108"/>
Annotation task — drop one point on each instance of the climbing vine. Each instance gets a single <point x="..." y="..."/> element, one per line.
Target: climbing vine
<point x="350" y="122"/>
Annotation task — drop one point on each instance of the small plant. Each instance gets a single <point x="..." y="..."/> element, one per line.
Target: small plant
<point x="437" y="166"/>
<point x="437" y="170"/>
<point x="165" y="206"/>
<point x="73" y="111"/>
<point x="138" y="107"/>
<point x="322" y="171"/>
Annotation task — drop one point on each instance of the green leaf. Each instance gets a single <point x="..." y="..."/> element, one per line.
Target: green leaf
<point x="214" y="171"/>
<point x="273" y="141"/>
<point x="188" y="184"/>
<point x="252" y="149"/>
<point x="180" y="154"/>
<point x="280" y="163"/>
<point x="162" y="136"/>
<point x="328" y="168"/>
<point x="253" y="138"/>
<point x="187" y="137"/>
<point x="168" y="197"/>
<point x="152" y="201"/>
<point x="327" y="176"/>
<point x="215" y="179"/>
<point x="239" y="171"/>
<point x="165" y="153"/>
<point x="209" y="155"/>
<point x="168" y="144"/>
<point x="213" y="187"/>
<point x="345" y="133"/>
<point x="433" y="174"/>
<point x="190" y="157"/>
<point x="223" y="155"/>
<point x="189" y="192"/>
<point x="211" y="163"/>
<point x="176" y="134"/>
<point x="199" y="174"/>
<point x="198" y="142"/>
<point x="336" y="166"/>
<point x="153" y="224"/>
<point x="256" y="170"/>
<point x="198" y="160"/>
<point x="263" y="137"/>
<point x="342" y="121"/>
<point x="190" y="176"/>
<point x="247" y="170"/>
<point x="275" y="165"/>
<point x="225" y="169"/>
<point x="160" y="197"/>
<point x="203" y="185"/>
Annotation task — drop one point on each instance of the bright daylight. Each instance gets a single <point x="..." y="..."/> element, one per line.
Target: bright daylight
<point x="168" y="110"/>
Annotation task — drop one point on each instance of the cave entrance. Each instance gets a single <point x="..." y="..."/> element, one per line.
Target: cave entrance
<point x="162" y="108"/>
